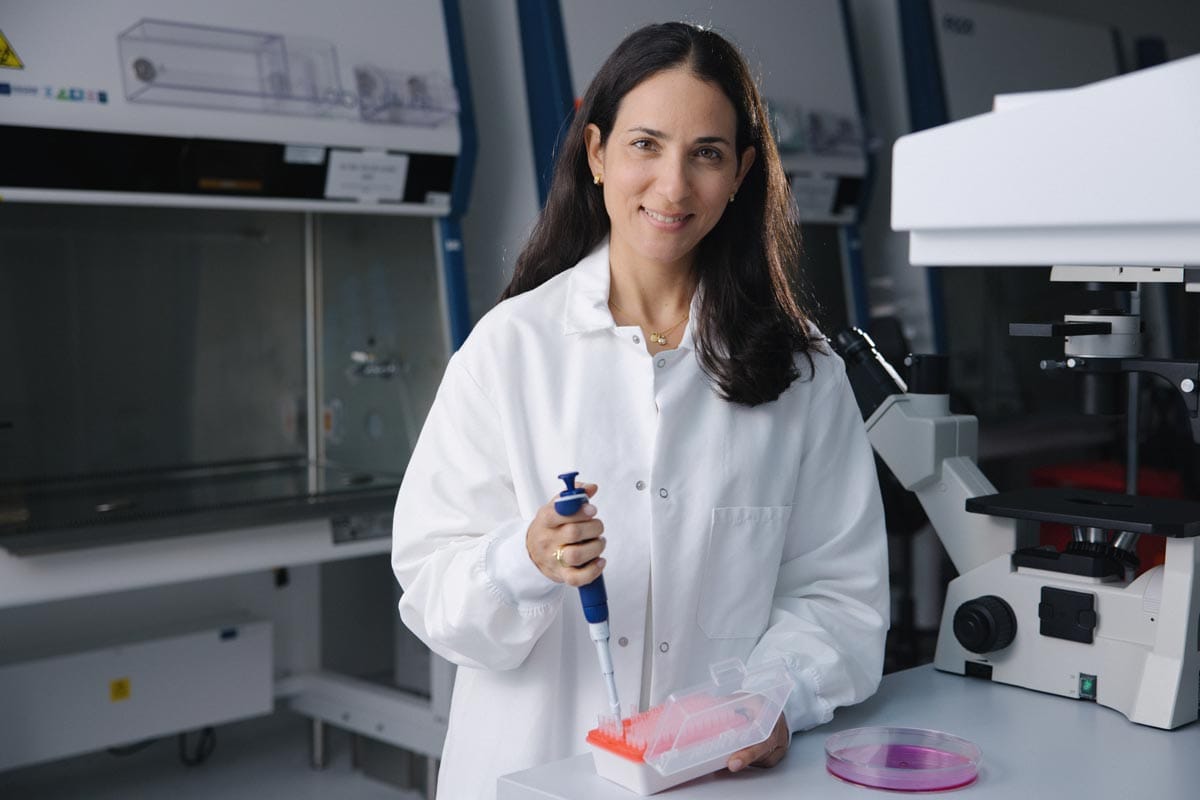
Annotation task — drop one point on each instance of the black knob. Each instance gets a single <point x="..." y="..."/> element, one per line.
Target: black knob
<point x="985" y="624"/>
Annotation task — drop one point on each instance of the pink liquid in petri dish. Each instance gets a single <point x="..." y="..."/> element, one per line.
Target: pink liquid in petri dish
<point x="902" y="759"/>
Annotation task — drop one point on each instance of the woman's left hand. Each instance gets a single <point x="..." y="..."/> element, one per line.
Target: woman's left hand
<point x="766" y="753"/>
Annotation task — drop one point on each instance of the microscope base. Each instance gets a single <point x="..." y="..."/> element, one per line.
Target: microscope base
<point x="1130" y="646"/>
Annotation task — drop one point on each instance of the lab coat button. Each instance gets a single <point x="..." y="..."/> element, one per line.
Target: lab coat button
<point x="664" y="647"/>
<point x="640" y="485"/>
<point x="637" y="339"/>
<point x="662" y="362"/>
<point x="623" y="641"/>
<point x="662" y="493"/>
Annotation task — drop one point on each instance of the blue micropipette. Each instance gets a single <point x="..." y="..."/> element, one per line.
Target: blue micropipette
<point x="593" y="596"/>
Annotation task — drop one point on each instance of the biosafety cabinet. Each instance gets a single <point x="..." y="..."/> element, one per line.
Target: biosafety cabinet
<point x="230" y="279"/>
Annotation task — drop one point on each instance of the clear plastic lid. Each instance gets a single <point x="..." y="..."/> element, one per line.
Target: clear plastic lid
<point x="905" y="759"/>
<point x="738" y="708"/>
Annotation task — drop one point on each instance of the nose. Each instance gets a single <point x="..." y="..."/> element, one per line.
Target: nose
<point x="673" y="180"/>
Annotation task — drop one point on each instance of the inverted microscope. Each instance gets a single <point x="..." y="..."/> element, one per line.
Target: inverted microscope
<point x="1022" y="186"/>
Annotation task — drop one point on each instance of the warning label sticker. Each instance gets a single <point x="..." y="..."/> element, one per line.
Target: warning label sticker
<point x="119" y="689"/>
<point x="8" y="56"/>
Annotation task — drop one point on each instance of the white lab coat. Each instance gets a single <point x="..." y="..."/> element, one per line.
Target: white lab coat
<point x="757" y="531"/>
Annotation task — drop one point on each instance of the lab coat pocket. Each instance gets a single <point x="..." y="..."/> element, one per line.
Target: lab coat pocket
<point x="741" y="567"/>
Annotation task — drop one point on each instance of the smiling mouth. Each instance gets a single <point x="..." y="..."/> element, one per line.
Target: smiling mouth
<point x="664" y="218"/>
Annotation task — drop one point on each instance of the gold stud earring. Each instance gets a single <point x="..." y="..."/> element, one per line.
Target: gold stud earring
<point x="731" y="196"/>
<point x="598" y="179"/>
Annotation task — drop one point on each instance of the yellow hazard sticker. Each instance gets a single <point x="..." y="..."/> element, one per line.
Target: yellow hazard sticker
<point x="8" y="56"/>
<point x="119" y="690"/>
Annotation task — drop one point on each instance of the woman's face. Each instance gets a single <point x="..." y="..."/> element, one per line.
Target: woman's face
<point x="669" y="167"/>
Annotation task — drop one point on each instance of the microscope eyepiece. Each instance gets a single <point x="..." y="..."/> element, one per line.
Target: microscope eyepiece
<point x="872" y="377"/>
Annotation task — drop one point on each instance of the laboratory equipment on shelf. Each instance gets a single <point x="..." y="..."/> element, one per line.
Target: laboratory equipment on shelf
<point x="593" y="596"/>
<point x="272" y="106"/>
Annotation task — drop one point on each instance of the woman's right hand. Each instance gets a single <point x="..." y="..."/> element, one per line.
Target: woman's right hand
<point x="567" y="549"/>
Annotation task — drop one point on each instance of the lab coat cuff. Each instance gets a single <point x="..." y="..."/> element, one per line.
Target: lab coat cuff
<point x="806" y="708"/>
<point x="512" y="571"/>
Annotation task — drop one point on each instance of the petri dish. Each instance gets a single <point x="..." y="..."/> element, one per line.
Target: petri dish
<point x="902" y="759"/>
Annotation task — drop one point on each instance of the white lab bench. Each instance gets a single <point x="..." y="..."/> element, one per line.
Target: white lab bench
<point x="1034" y="745"/>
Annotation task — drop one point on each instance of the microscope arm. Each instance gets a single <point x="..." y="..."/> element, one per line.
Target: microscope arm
<point x="932" y="453"/>
<point x="1183" y="375"/>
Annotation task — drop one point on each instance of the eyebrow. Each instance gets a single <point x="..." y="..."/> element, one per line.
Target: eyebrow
<point x="699" y="140"/>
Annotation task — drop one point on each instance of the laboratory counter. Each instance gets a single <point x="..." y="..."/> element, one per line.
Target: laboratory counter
<point x="1034" y="745"/>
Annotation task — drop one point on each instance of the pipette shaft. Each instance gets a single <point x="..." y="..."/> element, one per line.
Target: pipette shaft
<point x="600" y="635"/>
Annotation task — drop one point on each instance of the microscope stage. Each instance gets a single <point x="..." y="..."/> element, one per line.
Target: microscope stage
<point x="1159" y="516"/>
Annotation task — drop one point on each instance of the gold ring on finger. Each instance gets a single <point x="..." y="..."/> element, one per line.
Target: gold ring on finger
<point x="558" y="553"/>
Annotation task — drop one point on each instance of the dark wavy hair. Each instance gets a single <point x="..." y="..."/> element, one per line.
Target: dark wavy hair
<point x="751" y="321"/>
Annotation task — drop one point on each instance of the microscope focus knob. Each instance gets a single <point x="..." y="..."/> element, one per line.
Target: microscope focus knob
<point x="985" y="624"/>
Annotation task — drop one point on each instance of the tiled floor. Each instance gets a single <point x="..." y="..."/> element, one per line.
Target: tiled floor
<point x="259" y="759"/>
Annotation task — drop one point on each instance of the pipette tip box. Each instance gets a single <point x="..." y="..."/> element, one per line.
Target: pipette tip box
<point x="695" y="731"/>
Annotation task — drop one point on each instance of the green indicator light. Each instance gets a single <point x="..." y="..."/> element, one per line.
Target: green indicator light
<point x="1087" y="687"/>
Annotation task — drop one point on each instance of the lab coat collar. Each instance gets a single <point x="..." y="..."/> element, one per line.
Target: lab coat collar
<point x="587" y="294"/>
<point x="586" y="308"/>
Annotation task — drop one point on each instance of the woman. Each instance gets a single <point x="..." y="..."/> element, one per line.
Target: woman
<point x="650" y="340"/>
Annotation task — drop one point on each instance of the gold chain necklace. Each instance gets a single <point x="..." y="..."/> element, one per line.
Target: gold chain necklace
<point x="658" y="337"/>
